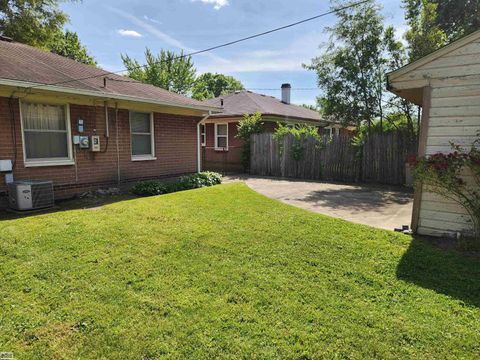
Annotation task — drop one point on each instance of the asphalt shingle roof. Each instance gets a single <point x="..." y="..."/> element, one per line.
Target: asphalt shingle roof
<point x="241" y="102"/>
<point x="21" y="62"/>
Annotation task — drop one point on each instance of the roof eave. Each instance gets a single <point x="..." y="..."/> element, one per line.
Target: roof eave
<point x="104" y="95"/>
<point x="280" y="117"/>
<point x="430" y="57"/>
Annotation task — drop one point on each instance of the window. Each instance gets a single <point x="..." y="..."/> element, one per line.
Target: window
<point x="203" y="137"/>
<point x="331" y="131"/>
<point x="221" y="137"/>
<point x="46" y="134"/>
<point x="141" y="132"/>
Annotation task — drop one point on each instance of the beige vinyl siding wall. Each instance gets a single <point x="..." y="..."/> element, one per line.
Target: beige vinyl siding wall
<point x="454" y="116"/>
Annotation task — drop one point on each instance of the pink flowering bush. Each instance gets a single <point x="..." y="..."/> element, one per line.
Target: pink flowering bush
<point x="443" y="174"/>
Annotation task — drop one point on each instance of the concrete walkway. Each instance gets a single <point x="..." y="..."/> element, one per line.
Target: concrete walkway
<point x="378" y="206"/>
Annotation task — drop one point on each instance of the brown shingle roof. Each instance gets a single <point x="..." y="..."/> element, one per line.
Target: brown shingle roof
<point x="241" y="102"/>
<point x="24" y="63"/>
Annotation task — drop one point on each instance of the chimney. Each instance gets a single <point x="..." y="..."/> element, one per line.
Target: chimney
<point x="286" y="93"/>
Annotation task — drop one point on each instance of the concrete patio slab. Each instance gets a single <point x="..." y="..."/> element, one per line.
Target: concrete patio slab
<point x="378" y="206"/>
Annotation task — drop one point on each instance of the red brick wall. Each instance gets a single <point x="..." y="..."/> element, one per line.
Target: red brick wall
<point x="175" y="149"/>
<point x="226" y="161"/>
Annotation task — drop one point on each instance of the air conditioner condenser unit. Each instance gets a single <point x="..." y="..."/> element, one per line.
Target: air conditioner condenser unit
<point x="30" y="194"/>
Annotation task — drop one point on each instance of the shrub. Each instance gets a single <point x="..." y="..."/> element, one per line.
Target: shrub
<point x="443" y="174"/>
<point x="249" y="125"/>
<point x="193" y="181"/>
<point x="198" y="180"/>
<point x="149" y="188"/>
<point x="299" y="133"/>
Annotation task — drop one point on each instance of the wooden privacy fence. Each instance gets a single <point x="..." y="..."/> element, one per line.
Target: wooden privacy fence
<point x="381" y="159"/>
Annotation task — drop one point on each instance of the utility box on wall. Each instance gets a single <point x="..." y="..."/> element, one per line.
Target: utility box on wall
<point x="5" y="165"/>
<point x="95" y="143"/>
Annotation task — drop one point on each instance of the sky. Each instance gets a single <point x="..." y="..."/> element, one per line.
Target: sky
<point x="109" y="28"/>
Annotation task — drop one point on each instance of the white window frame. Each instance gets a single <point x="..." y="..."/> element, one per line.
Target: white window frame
<point x="217" y="148"/>
<point x="333" y="131"/>
<point x="146" y="157"/>
<point x="203" y="134"/>
<point x="48" y="161"/>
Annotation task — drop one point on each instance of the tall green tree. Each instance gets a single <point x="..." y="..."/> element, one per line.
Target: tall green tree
<point x="167" y="70"/>
<point x="350" y="71"/>
<point x="424" y="34"/>
<point x="434" y="22"/>
<point x="32" y="22"/>
<point x="458" y="17"/>
<point x="68" y="44"/>
<point x="208" y="86"/>
<point x="396" y="57"/>
<point x="40" y="23"/>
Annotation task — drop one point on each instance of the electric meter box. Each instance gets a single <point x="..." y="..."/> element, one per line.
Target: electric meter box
<point x="84" y="142"/>
<point x="95" y="143"/>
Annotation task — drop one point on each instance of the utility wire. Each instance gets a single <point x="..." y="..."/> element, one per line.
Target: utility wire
<point x="278" y="89"/>
<point x="215" y="47"/>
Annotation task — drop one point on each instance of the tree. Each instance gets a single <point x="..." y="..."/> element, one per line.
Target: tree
<point x="40" y="23"/>
<point x="434" y="22"/>
<point x="396" y="58"/>
<point x="249" y="125"/>
<point x="67" y="44"/>
<point x="457" y="18"/>
<point x="311" y="107"/>
<point x="424" y="35"/>
<point x="32" y="22"/>
<point x="167" y="70"/>
<point x="350" y="72"/>
<point x="208" y="86"/>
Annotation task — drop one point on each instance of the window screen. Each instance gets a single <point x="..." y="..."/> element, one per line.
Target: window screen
<point x="45" y="131"/>
<point x="141" y="133"/>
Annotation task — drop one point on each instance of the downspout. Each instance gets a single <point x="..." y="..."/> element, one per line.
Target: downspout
<point x="107" y="130"/>
<point x="116" y="141"/>
<point x="199" y="140"/>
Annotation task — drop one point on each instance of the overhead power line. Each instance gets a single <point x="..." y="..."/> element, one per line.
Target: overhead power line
<point x="278" y="89"/>
<point x="214" y="47"/>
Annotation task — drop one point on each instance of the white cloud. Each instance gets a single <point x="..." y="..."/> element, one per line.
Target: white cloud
<point x="129" y="33"/>
<point x="151" y="19"/>
<point x="217" y="4"/>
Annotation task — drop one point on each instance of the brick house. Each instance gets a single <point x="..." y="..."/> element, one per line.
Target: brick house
<point x="53" y="108"/>
<point x="221" y="150"/>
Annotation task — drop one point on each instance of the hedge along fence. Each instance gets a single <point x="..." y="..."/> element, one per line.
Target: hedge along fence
<point x="381" y="159"/>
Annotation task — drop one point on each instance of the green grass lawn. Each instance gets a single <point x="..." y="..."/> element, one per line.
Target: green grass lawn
<point x="225" y="272"/>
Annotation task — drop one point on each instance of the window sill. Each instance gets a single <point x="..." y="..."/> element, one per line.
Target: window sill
<point x="221" y="149"/>
<point x="143" y="158"/>
<point x="42" y="163"/>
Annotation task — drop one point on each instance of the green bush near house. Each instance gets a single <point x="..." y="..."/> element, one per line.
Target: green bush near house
<point x="194" y="181"/>
<point x="187" y="182"/>
<point x="149" y="188"/>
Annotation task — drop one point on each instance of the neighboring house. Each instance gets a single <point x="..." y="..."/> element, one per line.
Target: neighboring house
<point x="221" y="148"/>
<point x="446" y="84"/>
<point x="51" y="106"/>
